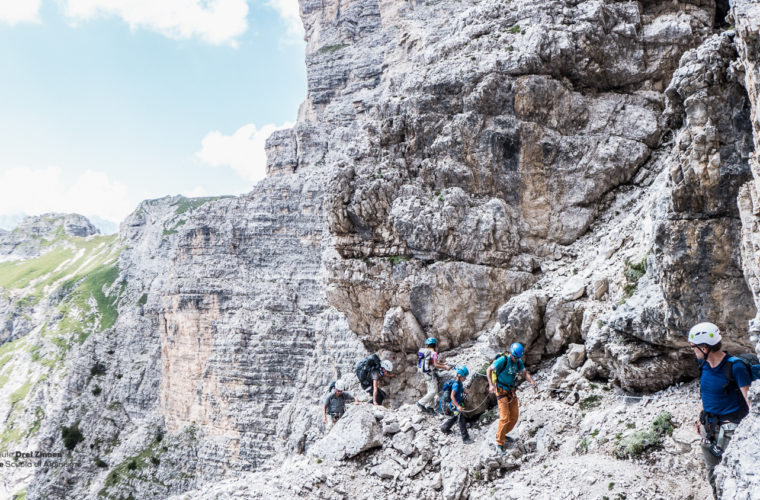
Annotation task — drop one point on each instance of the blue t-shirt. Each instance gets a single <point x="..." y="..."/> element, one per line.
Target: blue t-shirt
<point x="457" y="392"/>
<point x="712" y="382"/>
<point x="506" y="378"/>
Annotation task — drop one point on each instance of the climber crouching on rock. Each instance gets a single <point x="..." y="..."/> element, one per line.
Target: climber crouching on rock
<point x="385" y="370"/>
<point x="501" y="381"/>
<point x="370" y="371"/>
<point x="723" y="385"/>
<point x="335" y="405"/>
<point x="457" y="396"/>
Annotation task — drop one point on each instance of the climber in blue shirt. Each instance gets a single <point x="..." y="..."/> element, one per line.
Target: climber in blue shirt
<point x="723" y="386"/>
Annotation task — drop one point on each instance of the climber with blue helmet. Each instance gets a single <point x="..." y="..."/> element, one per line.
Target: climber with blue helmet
<point x="456" y="405"/>
<point x="502" y="375"/>
<point x="427" y="364"/>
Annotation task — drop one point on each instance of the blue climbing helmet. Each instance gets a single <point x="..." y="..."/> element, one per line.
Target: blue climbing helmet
<point x="431" y="341"/>
<point x="463" y="371"/>
<point x="517" y="350"/>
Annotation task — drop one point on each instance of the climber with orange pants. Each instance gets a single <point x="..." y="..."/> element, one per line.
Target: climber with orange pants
<point x="501" y="381"/>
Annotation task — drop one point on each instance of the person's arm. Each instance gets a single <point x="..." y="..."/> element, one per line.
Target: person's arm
<point x="530" y="379"/>
<point x="743" y="379"/>
<point x="324" y="414"/>
<point x="454" y="398"/>
<point x="745" y="392"/>
<point x="440" y="366"/>
<point x="491" y="387"/>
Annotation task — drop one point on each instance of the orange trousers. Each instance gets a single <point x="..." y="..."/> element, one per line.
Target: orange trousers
<point x="508" y="413"/>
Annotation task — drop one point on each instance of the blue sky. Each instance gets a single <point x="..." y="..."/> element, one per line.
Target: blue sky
<point x="104" y="103"/>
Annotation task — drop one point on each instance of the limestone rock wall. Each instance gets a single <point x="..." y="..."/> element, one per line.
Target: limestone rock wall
<point x="480" y="148"/>
<point x="245" y="328"/>
<point x="735" y="478"/>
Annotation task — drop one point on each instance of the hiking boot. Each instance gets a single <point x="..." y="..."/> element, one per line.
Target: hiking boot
<point x="423" y="409"/>
<point x="467" y="440"/>
<point x="430" y="410"/>
<point x="501" y="449"/>
<point x="447" y="432"/>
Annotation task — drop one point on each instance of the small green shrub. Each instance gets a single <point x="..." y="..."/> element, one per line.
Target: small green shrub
<point x="515" y="29"/>
<point x="639" y="442"/>
<point x="98" y="369"/>
<point x="96" y="390"/>
<point x="488" y="417"/>
<point x="188" y="204"/>
<point x="590" y="402"/>
<point x="39" y="415"/>
<point x="397" y="259"/>
<point x="331" y="48"/>
<point x="100" y="463"/>
<point x="71" y="436"/>
<point x="633" y="273"/>
<point x="663" y="424"/>
<point x="21" y="393"/>
<point x="583" y="446"/>
<point x="484" y="368"/>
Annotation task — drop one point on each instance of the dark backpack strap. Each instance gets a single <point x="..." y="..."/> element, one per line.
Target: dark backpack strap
<point x="504" y="367"/>
<point x="728" y="372"/>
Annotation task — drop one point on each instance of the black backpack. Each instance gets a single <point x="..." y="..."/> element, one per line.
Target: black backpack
<point x="750" y="361"/>
<point x="364" y="369"/>
<point x="445" y="404"/>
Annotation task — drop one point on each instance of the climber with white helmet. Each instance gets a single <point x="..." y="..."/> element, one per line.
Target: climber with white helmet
<point x="724" y="383"/>
<point x="456" y="405"/>
<point x="427" y="364"/>
<point x="385" y="370"/>
<point x="502" y="374"/>
<point x="335" y="404"/>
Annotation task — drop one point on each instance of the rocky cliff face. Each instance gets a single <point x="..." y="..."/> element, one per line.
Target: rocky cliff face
<point x="578" y="176"/>
<point x="485" y="140"/>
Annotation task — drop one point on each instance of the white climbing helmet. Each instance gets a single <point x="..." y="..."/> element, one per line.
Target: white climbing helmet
<point x="340" y="386"/>
<point x="704" y="333"/>
<point x="387" y="365"/>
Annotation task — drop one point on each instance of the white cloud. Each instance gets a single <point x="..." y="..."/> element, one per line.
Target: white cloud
<point x="243" y="150"/>
<point x="17" y="11"/>
<point x="196" y="192"/>
<point x="37" y="191"/>
<point x="289" y="12"/>
<point x="217" y="22"/>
